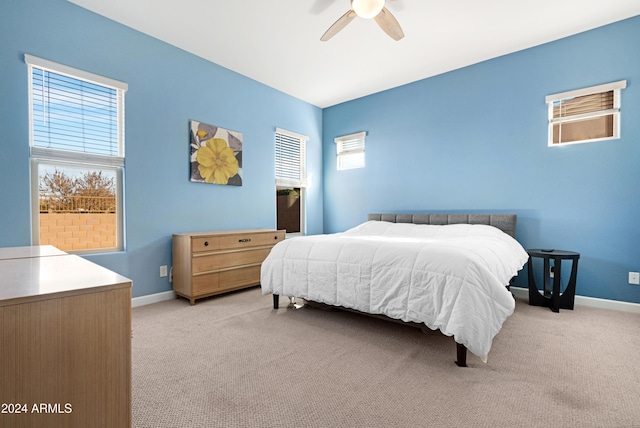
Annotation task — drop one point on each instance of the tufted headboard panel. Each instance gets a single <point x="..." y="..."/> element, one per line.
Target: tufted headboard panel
<point x="504" y="222"/>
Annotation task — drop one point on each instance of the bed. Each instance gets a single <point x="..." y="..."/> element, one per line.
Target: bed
<point x="448" y="272"/>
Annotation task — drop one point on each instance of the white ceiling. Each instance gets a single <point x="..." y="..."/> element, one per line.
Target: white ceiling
<point x="278" y="43"/>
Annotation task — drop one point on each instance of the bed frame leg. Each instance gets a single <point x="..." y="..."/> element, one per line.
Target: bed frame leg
<point x="276" y="301"/>
<point x="462" y="355"/>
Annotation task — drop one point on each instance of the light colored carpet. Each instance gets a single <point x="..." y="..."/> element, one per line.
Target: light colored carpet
<point x="233" y="361"/>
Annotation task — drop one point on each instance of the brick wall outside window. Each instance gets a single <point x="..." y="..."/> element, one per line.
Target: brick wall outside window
<point x="71" y="231"/>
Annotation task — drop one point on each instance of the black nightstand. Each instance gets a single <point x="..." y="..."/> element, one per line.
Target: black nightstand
<point x="552" y="297"/>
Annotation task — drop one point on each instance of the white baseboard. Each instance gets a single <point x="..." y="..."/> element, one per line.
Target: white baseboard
<point x="152" y="298"/>
<point x="517" y="291"/>
<point x="589" y="301"/>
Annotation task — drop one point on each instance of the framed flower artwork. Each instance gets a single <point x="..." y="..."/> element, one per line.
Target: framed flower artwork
<point x="216" y="154"/>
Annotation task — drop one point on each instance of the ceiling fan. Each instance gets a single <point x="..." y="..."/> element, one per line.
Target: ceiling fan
<point x="367" y="9"/>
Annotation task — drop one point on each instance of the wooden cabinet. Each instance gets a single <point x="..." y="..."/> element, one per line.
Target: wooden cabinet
<point x="209" y="263"/>
<point x="65" y="348"/>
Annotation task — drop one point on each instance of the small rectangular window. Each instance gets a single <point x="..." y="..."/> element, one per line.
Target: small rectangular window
<point x="77" y="154"/>
<point x="291" y="180"/>
<point x="350" y="151"/>
<point x="584" y="115"/>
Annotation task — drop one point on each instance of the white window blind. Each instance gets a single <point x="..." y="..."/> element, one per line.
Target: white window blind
<point x="588" y="114"/>
<point x="75" y="117"/>
<point x="350" y="150"/>
<point x="290" y="158"/>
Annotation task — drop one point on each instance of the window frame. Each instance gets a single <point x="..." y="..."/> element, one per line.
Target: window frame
<point x="350" y="145"/>
<point x="57" y="157"/>
<point x="286" y="180"/>
<point x="551" y="100"/>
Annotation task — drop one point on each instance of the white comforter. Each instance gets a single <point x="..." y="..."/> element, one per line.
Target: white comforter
<point x="450" y="278"/>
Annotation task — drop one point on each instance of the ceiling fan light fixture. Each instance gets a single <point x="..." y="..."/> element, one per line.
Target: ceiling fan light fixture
<point x="367" y="8"/>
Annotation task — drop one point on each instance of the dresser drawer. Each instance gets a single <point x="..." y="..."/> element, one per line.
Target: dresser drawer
<point x="226" y="259"/>
<point x="250" y="239"/>
<point x="225" y="280"/>
<point x="204" y="284"/>
<point x="239" y="277"/>
<point x="205" y="243"/>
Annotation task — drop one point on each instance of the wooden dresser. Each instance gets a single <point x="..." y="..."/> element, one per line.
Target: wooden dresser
<point x="65" y="341"/>
<point x="209" y="263"/>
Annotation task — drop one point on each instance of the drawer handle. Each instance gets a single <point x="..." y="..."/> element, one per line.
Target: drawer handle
<point x="206" y="243"/>
<point x="244" y="240"/>
<point x="275" y="237"/>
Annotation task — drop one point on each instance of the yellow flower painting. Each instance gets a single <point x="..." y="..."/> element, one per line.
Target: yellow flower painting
<point x="216" y="155"/>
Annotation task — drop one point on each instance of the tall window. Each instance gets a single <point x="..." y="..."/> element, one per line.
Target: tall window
<point x="291" y="180"/>
<point x="583" y="115"/>
<point x="350" y="151"/>
<point x="77" y="157"/>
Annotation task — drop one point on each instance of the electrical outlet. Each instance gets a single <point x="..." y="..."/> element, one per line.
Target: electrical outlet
<point x="634" y="278"/>
<point x="163" y="271"/>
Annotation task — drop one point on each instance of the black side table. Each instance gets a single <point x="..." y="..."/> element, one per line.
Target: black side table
<point x="552" y="297"/>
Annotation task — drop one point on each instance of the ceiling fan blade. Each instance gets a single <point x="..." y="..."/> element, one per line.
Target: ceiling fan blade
<point x="338" y="25"/>
<point x="389" y="24"/>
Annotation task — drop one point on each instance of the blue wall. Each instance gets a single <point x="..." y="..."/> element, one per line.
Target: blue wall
<point x="167" y="88"/>
<point x="475" y="139"/>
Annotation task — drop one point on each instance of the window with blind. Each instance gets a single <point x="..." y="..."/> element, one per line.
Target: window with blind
<point x="585" y="115"/>
<point x="291" y="180"/>
<point x="77" y="153"/>
<point x="350" y="151"/>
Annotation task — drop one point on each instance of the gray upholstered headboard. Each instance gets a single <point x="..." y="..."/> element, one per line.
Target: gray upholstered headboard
<point x="504" y="222"/>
